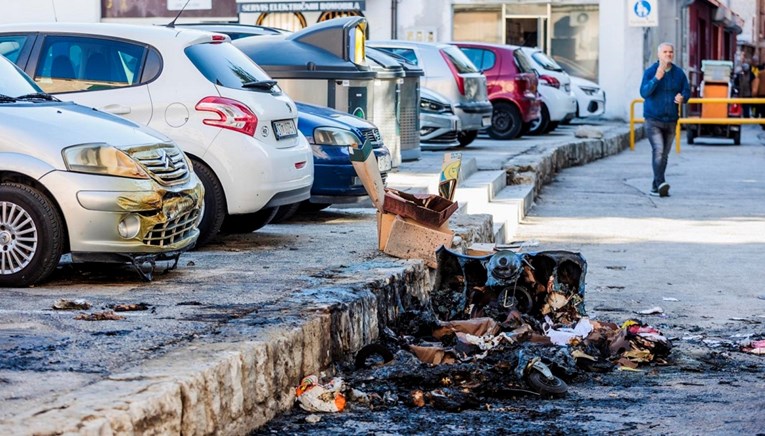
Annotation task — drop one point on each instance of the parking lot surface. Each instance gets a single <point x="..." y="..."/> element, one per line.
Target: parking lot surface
<point x="227" y="334"/>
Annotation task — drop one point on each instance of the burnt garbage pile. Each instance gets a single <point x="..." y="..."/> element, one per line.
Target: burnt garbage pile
<point x="498" y="326"/>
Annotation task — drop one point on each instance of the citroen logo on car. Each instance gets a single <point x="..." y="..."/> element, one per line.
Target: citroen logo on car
<point x="166" y="161"/>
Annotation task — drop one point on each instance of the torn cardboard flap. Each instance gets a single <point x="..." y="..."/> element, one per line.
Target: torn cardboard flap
<point x="365" y="164"/>
<point x="408" y="239"/>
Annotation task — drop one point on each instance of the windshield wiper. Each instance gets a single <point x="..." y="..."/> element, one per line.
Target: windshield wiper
<point x="6" y="99"/>
<point x="37" y="95"/>
<point x="260" y="84"/>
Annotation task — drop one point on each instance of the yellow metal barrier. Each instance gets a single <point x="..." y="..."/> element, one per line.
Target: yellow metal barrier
<point x="633" y="121"/>
<point x="698" y="120"/>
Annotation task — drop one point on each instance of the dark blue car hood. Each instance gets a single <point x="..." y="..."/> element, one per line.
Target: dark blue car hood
<point x="311" y="116"/>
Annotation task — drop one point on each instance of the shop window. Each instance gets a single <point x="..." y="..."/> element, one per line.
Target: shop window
<point x="329" y="15"/>
<point x="292" y="21"/>
<point x="479" y="26"/>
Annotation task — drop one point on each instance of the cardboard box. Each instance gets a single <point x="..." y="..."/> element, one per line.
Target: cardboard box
<point x="426" y="209"/>
<point x="408" y="239"/>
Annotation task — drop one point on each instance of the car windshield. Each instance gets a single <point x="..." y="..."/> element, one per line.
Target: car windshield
<point x="225" y="65"/>
<point x="13" y="82"/>
<point x="460" y="61"/>
<point x="546" y="63"/>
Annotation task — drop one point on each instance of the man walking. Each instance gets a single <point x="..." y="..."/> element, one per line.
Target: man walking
<point x="664" y="87"/>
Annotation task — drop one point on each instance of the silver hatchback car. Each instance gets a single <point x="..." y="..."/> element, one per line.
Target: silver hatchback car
<point x="80" y="181"/>
<point x="449" y="72"/>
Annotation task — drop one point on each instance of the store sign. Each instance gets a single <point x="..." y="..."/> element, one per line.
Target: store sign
<point x="315" y="6"/>
<point x="642" y="13"/>
<point x="177" y="5"/>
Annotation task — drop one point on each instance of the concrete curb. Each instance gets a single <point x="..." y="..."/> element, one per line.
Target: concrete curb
<point x="246" y="376"/>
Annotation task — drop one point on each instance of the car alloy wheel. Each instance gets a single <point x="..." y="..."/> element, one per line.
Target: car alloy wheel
<point x="31" y="235"/>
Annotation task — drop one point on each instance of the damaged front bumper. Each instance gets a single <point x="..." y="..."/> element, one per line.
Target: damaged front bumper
<point x="126" y="219"/>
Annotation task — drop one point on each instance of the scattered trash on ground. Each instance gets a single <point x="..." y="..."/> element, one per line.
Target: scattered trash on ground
<point x="130" y="307"/>
<point x="315" y="397"/>
<point x="498" y="326"/>
<point x="312" y="419"/>
<point x="107" y="315"/>
<point x="755" y="347"/>
<point x="652" y="311"/>
<point x="78" y="304"/>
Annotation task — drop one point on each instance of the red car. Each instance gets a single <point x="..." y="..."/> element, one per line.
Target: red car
<point x="512" y="86"/>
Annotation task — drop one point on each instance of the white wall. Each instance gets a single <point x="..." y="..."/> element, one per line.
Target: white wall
<point x="428" y="15"/>
<point x="379" y="17"/>
<point x="746" y="9"/>
<point x="16" y="11"/>
<point x="621" y="60"/>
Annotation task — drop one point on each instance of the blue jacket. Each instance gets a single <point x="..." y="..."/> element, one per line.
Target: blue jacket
<point x="659" y="95"/>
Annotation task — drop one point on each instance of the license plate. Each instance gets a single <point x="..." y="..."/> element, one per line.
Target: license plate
<point x="284" y="128"/>
<point x="384" y="163"/>
<point x="486" y="121"/>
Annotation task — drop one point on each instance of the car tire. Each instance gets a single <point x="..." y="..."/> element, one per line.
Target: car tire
<point x="32" y="236"/>
<point x="307" y="206"/>
<point x="215" y="204"/>
<point x="552" y="125"/>
<point x="737" y="138"/>
<point x="554" y="387"/>
<point x="506" y="121"/>
<point x="285" y="212"/>
<point x="690" y="135"/>
<point x="465" y="137"/>
<point x="539" y="126"/>
<point x="248" y="222"/>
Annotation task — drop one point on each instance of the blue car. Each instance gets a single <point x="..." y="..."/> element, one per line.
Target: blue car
<point x="330" y="134"/>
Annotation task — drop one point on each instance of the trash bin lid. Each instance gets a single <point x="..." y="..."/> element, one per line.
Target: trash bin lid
<point x="385" y="66"/>
<point x="410" y="69"/>
<point x="320" y="51"/>
<point x="289" y="59"/>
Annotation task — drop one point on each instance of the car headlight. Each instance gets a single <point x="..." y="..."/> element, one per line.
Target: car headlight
<point x="334" y="136"/>
<point x="428" y="105"/>
<point x="589" y="91"/>
<point x="102" y="159"/>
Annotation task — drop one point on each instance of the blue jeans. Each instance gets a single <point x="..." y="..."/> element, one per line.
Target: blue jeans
<point x="660" y="135"/>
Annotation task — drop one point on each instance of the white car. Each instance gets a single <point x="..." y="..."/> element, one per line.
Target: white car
<point x="591" y="99"/>
<point x="74" y="180"/>
<point x="230" y="118"/>
<point x="558" y="99"/>
<point x="438" y="124"/>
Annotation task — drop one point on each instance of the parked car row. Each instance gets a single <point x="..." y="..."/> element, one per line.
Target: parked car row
<point x="146" y="169"/>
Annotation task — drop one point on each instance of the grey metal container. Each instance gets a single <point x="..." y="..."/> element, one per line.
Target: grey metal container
<point x="385" y="97"/>
<point x="409" y="111"/>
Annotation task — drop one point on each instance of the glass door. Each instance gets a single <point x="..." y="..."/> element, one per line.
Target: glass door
<point x="526" y="31"/>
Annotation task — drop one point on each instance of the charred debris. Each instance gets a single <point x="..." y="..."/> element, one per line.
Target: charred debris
<point x="498" y="326"/>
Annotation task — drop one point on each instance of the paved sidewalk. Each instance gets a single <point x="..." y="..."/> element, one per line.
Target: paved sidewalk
<point x="235" y="327"/>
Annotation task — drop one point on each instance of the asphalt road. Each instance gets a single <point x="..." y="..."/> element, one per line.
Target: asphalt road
<point x="697" y="255"/>
<point x="701" y="247"/>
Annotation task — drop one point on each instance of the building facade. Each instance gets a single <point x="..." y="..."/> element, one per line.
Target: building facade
<point x="594" y="39"/>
